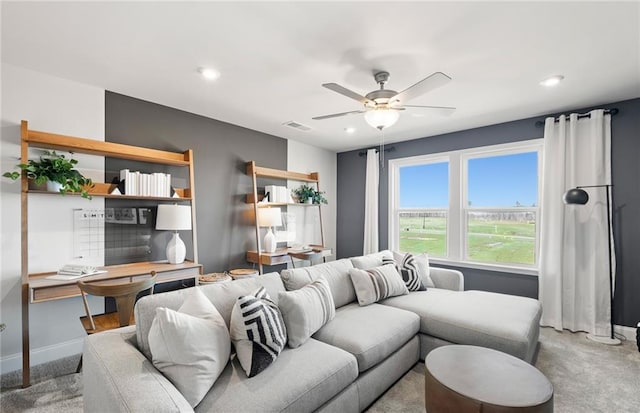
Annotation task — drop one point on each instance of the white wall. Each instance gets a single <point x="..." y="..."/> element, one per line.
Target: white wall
<point x="306" y="158"/>
<point x="60" y="106"/>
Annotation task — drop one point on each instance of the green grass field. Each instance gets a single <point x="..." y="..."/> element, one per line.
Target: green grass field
<point x="488" y="241"/>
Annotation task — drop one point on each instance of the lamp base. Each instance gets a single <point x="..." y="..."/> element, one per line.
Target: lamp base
<point x="269" y="243"/>
<point x="604" y="340"/>
<point x="176" y="250"/>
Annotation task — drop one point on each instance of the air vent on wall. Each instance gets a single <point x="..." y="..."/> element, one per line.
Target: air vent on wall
<point x="297" y="125"/>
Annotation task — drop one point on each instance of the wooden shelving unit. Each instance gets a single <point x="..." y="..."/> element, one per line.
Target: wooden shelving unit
<point x="257" y="256"/>
<point x="46" y="140"/>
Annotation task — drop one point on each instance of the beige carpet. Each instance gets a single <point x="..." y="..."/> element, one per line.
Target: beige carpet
<point x="587" y="377"/>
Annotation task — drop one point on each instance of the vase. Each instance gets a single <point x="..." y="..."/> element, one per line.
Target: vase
<point x="53" y="186"/>
<point x="309" y="201"/>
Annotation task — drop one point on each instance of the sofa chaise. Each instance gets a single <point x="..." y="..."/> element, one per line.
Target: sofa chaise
<point x="345" y="366"/>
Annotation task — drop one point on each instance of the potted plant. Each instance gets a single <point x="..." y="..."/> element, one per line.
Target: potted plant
<point x="307" y="194"/>
<point x="56" y="171"/>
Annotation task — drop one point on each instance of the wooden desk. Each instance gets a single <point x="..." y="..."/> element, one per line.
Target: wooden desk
<point x="42" y="289"/>
<point x="285" y="256"/>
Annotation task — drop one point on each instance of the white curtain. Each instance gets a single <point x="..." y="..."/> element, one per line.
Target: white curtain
<point x="574" y="261"/>
<point x="371" y="204"/>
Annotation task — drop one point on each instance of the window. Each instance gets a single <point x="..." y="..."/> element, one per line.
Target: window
<point x="423" y="213"/>
<point x="476" y="206"/>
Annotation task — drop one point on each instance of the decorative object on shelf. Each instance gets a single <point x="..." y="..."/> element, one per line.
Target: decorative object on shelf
<point x="269" y="217"/>
<point x="308" y="195"/>
<point x="174" y="218"/>
<point x="56" y="171"/>
<point x="578" y="196"/>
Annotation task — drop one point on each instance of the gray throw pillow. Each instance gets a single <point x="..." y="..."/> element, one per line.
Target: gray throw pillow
<point x="377" y="283"/>
<point x="258" y="331"/>
<point x="190" y="346"/>
<point x="306" y="310"/>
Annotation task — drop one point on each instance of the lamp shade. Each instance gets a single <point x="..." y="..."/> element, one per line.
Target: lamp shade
<point x="269" y="217"/>
<point x="382" y="117"/>
<point x="173" y="217"/>
<point x="576" y="196"/>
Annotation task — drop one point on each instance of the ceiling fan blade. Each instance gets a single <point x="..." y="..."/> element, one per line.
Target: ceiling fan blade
<point x="346" y="92"/>
<point x="444" y="110"/>
<point x="336" y="115"/>
<point x="425" y="85"/>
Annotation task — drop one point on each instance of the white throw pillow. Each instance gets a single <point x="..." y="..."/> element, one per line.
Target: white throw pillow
<point x="258" y="331"/>
<point x="422" y="263"/>
<point x="377" y="283"/>
<point x="306" y="310"/>
<point x="191" y="346"/>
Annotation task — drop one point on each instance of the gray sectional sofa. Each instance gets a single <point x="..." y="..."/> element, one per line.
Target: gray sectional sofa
<point x="344" y="367"/>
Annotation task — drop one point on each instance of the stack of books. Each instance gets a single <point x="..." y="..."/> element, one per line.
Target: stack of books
<point x="157" y="184"/>
<point x="72" y="272"/>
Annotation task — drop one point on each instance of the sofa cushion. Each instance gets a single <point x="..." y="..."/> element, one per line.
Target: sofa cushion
<point x="258" y="331"/>
<point x="301" y="380"/>
<point x="503" y="322"/>
<point x="222" y="295"/>
<point x="411" y="274"/>
<point x="190" y="346"/>
<point x="377" y="283"/>
<point x="372" y="260"/>
<point x="421" y="263"/>
<point x="306" y="310"/>
<point x="335" y="272"/>
<point x="370" y="333"/>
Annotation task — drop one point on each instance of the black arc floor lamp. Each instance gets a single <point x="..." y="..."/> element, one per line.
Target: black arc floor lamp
<point x="578" y="196"/>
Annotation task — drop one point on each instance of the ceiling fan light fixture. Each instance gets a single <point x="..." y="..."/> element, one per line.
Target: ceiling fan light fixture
<point x="381" y="118"/>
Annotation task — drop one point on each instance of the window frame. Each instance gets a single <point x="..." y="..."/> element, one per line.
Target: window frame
<point x="457" y="213"/>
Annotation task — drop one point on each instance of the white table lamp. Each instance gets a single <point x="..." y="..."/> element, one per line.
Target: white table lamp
<point x="174" y="218"/>
<point x="269" y="217"/>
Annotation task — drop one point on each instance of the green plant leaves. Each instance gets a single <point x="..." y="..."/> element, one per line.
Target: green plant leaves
<point x="55" y="168"/>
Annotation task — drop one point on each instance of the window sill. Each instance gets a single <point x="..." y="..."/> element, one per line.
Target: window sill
<point x="483" y="266"/>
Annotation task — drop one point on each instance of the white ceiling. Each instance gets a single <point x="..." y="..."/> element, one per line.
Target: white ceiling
<point x="274" y="56"/>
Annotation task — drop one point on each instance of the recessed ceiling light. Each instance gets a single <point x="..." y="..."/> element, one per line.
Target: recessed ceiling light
<point x="209" y="74"/>
<point x="552" y="81"/>
<point x="350" y="130"/>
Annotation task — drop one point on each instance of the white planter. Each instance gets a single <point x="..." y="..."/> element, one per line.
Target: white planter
<point x="309" y="201"/>
<point x="54" y="186"/>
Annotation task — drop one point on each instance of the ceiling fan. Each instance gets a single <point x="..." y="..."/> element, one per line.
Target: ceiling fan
<point x="382" y="107"/>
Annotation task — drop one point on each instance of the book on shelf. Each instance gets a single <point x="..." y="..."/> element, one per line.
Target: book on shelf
<point x="136" y="183"/>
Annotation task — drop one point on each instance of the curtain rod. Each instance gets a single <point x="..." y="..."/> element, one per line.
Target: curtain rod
<point x="387" y="149"/>
<point x="612" y="112"/>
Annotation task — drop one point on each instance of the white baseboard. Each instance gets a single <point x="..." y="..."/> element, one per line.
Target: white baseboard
<point x="42" y="355"/>
<point x="628" y="332"/>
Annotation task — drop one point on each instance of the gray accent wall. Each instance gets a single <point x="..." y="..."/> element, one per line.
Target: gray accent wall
<point x="626" y="200"/>
<point x="224" y="222"/>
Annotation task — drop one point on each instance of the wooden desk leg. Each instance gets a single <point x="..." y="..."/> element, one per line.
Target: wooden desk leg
<point x="26" y="362"/>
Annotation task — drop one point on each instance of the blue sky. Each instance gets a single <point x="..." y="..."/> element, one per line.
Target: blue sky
<point x="497" y="181"/>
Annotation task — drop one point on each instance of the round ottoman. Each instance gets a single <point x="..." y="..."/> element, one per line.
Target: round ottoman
<point x="476" y="379"/>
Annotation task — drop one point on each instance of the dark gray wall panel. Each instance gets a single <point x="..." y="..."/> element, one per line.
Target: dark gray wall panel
<point x="224" y="225"/>
<point x="626" y="178"/>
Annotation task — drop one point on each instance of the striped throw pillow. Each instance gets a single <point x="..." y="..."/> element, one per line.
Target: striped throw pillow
<point x="306" y="310"/>
<point x="408" y="268"/>
<point x="258" y="331"/>
<point x="377" y="283"/>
